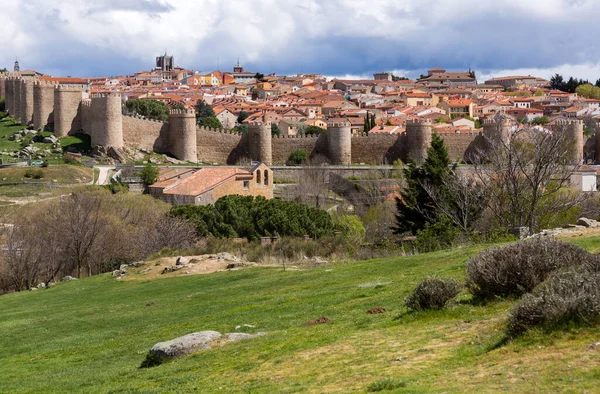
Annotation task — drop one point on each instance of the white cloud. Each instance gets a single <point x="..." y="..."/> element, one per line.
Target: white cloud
<point x="333" y="37"/>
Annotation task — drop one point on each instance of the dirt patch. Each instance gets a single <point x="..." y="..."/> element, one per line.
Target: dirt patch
<point x="198" y="265"/>
<point x="321" y="320"/>
<point x="376" y="311"/>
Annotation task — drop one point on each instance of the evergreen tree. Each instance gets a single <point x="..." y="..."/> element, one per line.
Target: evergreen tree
<point x="557" y="82"/>
<point x="415" y="207"/>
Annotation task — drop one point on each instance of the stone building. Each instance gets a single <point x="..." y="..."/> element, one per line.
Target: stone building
<point x="206" y="185"/>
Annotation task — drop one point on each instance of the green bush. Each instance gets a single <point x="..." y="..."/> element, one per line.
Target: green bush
<point x="2" y="105"/>
<point x="565" y="297"/>
<point x="437" y="236"/>
<point x="149" y="108"/>
<point x="249" y="217"/>
<point x="149" y="174"/>
<point x="432" y="293"/>
<point x="34" y="173"/>
<point x="516" y="269"/>
<point x="297" y="157"/>
<point x="351" y="229"/>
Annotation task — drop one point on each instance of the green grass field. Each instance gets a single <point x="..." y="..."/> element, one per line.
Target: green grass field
<point x="8" y="127"/>
<point x="90" y="336"/>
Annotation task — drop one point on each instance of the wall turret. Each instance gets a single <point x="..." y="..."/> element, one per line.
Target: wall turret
<point x="3" y="87"/>
<point x="26" y="111"/>
<point x="339" y="140"/>
<point x="43" y="104"/>
<point x="182" y="134"/>
<point x="497" y="130"/>
<point x="107" y="120"/>
<point x="67" y="100"/>
<point x="259" y="138"/>
<point x="10" y="92"/>
<point x="17" y="98"/>
<point x="574" y="129"/>
<point x="418" y="139"/>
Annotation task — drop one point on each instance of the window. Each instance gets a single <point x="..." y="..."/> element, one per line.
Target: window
<point x="258" y="177"/>
<point x="266" y="178"/>
<point x="246" y="185"/>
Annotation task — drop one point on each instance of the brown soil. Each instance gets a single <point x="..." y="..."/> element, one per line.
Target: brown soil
<point x="321" y="320"/>
<point x="375" y="311"/>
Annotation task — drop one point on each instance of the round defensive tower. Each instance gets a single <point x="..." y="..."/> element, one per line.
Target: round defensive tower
<point x="497" y="130"/>
<point x="9" y="91"/>
<point x="66" y="109"/>
<point x="182" y="134"/>
<point x="26" y="111"/>
<point x="259" y="138"/>
<point x="107" y="120"/>
<point x="43" y="104"/>
<point x="339" y="140"/>
<point x="3" y="87"/>
<point x="418" y="139"/>
<point x="17" y="97"/>
<point x="574" y="129"/>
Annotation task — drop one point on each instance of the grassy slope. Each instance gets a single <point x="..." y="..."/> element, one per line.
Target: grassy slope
<point x="91" y="335"/>
<point x="8" y="127"/>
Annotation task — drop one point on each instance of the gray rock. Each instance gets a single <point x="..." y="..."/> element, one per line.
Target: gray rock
<point x="172" y="160"/>
<point x="41" y="286"/>
<point x="588" y="222"/>
<point x="68" y="278"/>
<point x="240" y="336"/>
<point x="181" y="261"/>
<point x="51" y="139"/>
<point x="185" y="345"/>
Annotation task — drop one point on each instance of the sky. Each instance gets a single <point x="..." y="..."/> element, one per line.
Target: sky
<point x="331" y="37"/>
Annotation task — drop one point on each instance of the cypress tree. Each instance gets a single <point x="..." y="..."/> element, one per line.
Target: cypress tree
<point x="414" y="206"/>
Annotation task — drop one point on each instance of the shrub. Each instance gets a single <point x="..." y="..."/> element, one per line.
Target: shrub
<point x="571" y="296"/>
<point x="432" y="293"/>
<point x="45" y="164"/>
<point x="297" y="157"/>
<point x="34" y="173"/>
<point x="248" y="217"/>
<point x="2" y="105"/>
<point x="516" y="269"/>
<point x="149" y="174"/>
<point x="437" y="236"/>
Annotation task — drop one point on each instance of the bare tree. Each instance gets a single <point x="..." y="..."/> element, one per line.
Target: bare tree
<point x="83" y="228"/>
<point x="525" y="173"/>
<point x="312" y="186"/>
<point x="460" y="198"/>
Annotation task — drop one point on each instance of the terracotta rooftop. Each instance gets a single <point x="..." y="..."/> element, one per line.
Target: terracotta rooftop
<point x="200" y="181"/>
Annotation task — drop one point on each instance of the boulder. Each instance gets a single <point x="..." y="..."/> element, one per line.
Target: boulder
<point x="181" y="261"/>
<point x="185" y="345"/>
<point x="68" y="278"/>
<point x="588" y="222"/>
<point x="116" y="154"/>
<point x="51" y="139"/>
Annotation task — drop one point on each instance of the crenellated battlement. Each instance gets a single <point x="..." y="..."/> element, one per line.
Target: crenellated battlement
<point x="140" y="117"/>
<point x="419" y="122"/>
<point x="259" y="124"/>
<point x="362" y="134"/>
<point x="298" y="136"/>
<point x="69" y="88"/>
<point x="105" y="95"/>
<point x="338" y="124"/>
<point x="45" y="84"/>
<point x="182" y="112"/>
<point x="569" y="122"/>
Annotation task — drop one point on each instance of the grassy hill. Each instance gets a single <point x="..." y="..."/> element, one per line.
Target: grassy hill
<point x="92" y="335"/>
